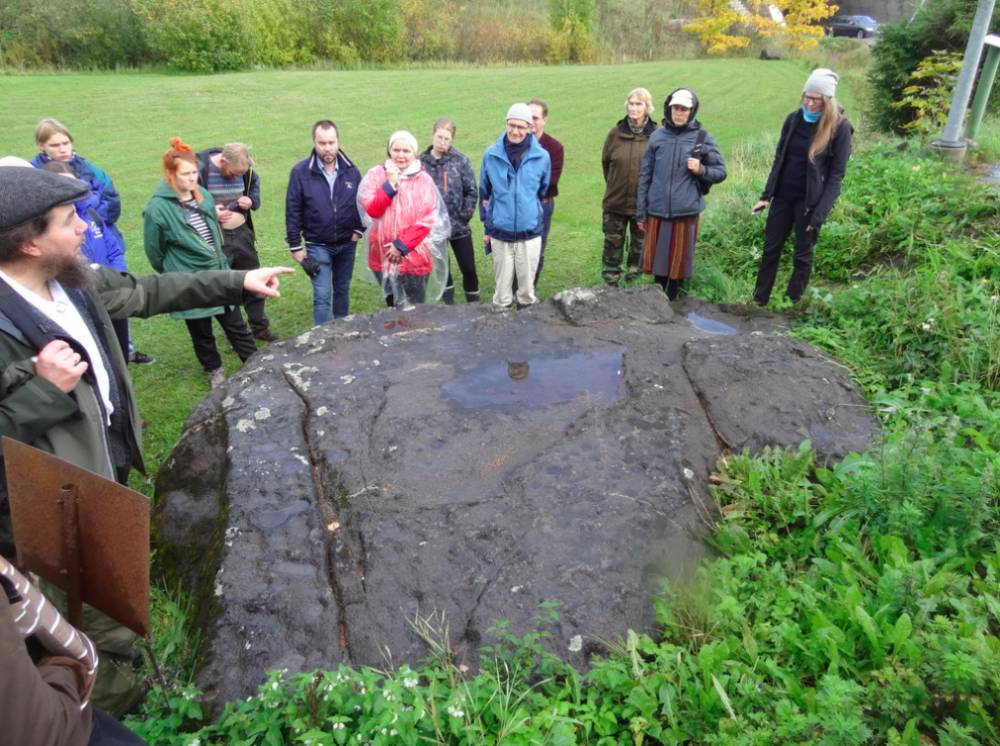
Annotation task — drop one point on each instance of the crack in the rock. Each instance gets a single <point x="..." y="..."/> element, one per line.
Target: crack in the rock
<point x="373" y="424"/>
<point x="324" y="500"/>
<point x="724" y="445"/>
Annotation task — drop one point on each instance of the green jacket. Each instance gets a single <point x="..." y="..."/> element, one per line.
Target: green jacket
<point x="71" y="426"/>
<point x="621" y="159"/>
<point x="173" y="245"/>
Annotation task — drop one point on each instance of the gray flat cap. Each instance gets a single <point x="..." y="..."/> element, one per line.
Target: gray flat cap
<point x="28" y="193"/>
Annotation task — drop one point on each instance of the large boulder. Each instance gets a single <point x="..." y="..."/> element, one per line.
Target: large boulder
<point x="401" y="476"/>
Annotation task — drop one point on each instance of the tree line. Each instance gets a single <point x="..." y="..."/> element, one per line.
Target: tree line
<point x="217" y="35"/>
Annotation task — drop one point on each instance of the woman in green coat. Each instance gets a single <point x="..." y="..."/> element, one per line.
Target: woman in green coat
<point x="181" y="234"/>
<point x="621" y="158"/>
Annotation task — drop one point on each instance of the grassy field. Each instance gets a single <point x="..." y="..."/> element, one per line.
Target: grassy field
<point x="123" y="122"/>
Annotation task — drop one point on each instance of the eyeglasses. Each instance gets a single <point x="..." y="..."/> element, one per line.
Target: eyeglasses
<point x="518" y="127"/>
<point x="817" y="100"/>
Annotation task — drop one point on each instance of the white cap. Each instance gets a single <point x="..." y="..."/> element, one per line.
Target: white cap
<point x="682" y="97"/>
<point x="521" y="112"/>
<point x="822" y="81"/>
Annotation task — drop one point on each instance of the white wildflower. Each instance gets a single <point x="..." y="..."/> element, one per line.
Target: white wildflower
<point x="455" y="712"/>
<point x="410" y="682"/>
<point x="575" y="644"/>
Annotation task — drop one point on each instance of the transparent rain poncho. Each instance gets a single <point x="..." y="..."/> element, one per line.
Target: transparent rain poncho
<point x="417" y="216"/>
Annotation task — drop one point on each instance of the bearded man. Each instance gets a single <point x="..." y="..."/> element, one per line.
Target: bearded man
<point x="64" y="384"/>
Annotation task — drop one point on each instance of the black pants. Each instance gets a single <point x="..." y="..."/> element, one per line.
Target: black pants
<point x="782" y="217"/>
<point x="240" y="247"/>
<point x="109" y="732"/>
<point x="121" y="332"/>
<point x="204" y="341"/>
<point x="465" y="253"/>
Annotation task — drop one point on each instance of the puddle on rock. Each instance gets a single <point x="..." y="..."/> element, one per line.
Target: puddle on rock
<point x="709" y="325"/>
<point x="539" y="382"/>
<point x="266" y="520"/>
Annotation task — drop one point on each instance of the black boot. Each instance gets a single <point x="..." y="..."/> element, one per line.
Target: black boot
<point x="448" y="296"/>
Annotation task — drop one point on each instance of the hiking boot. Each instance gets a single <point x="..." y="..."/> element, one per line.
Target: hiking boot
<point x="266" y="335"/>
<point x="217" y="377"/>
<point x="140" y="358"/>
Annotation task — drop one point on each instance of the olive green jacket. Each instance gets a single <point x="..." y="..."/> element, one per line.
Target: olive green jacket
<point x="173" y="245"/>
<point x="72" y="426"/>
<point x="621" y="159"/>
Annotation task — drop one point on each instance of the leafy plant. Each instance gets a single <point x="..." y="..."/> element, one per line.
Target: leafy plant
<point x="928" y="97"/>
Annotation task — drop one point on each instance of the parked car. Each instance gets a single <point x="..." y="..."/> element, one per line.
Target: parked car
<point x="860" y="27"/>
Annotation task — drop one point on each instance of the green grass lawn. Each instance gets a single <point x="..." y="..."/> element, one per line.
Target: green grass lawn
<point x="123" y="122"/>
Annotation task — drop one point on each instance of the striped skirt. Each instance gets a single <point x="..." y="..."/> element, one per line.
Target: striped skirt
<point x="669" y="247"/>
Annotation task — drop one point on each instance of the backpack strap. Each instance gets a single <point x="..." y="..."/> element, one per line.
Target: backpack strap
<point x="699" y="143"/>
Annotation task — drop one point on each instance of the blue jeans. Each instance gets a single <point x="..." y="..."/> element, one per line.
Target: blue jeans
<point x="331" y="287"/>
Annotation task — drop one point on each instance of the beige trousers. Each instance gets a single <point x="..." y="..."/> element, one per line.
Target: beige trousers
<point x="518" y="258"/>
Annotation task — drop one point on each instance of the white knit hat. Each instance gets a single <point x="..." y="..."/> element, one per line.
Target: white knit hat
<point x="402" y="135"/>
<point x="520" y="112"/>
<point x="822" y="81"/>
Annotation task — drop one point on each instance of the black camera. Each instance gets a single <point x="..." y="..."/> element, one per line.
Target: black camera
<point x="311" y="266"/>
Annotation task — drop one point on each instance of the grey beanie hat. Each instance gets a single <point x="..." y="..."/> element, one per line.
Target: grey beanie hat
<point x="29" y="193"/>
<point x="822" y="81"/>
<point x="521" y="112"/>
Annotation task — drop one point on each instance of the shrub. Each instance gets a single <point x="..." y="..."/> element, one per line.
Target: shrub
<point x="197" y="35"/>
<point x="942" y="25"/>
<point x="88" y="34"/>
<point x="929" y="94"/>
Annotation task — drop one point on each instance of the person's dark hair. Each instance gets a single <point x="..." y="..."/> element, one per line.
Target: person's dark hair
<point x="539" y="102"/>
<point x="59" y="167"/>
<point x="12" y="239"/>
<point x="325" y="124"/>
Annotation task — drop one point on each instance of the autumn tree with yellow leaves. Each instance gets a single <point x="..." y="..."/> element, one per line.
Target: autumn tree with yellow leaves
<point x="731" y="25"/>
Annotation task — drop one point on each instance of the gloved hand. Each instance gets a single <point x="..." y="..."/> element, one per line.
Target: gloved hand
<point x="311" y="266"/>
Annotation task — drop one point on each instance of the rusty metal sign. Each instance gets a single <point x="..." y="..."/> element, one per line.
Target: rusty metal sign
<point x="84" y="533"/>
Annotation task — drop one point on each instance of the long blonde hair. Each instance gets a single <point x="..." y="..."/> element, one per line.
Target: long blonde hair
<point x="826" y="127"/>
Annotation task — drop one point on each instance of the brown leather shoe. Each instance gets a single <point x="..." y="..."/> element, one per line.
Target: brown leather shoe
<point x="266" y="335"/>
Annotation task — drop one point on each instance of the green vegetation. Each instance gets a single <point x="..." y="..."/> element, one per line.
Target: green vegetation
<point x="937" y="29"/>
<point x="848" y="603"/>
<point x="217" y="35"/>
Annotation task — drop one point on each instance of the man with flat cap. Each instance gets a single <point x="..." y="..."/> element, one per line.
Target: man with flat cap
<point x="64" y="385"/>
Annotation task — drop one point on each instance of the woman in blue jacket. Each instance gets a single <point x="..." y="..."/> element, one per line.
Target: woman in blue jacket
<point x="680" y="163"/>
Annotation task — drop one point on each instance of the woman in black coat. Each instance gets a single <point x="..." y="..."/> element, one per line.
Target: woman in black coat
<point x="808" y="169"/>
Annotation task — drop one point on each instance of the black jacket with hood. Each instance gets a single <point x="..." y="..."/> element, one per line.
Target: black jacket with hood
<point x="667" y="188"/>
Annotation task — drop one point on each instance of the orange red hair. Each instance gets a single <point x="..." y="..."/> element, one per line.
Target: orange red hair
<point x="178" y="151"/>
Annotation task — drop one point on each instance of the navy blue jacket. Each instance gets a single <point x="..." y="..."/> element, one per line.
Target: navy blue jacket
<point x="311" y="213"/>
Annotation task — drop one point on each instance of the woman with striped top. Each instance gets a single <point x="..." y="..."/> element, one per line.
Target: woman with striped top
<point x="181" y="234"/>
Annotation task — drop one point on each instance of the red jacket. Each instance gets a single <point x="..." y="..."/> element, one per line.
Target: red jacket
<point x="402" y="217"/>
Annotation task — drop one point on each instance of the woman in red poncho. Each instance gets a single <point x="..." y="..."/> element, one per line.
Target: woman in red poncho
<point x="408" y="221"/>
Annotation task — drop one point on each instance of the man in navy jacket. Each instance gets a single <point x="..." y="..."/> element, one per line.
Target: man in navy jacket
<point x="322" y="223"/>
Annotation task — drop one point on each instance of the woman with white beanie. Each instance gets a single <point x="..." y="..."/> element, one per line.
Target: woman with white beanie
<point x="805" y="179"/>
<point x="409" y="224"/>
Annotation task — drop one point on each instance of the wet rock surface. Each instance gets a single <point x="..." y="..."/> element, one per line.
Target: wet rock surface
<point x="459" y="464"/>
